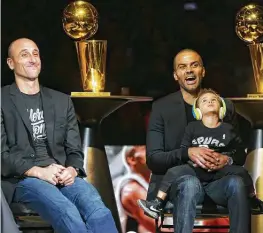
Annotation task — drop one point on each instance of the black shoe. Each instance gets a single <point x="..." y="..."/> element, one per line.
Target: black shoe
<point x="256" y="205"/>
<point x="151" y="208"/>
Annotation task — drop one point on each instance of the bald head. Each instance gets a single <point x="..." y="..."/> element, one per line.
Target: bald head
<point x="17" y="43"/>
<point x="185" y="52"/>
<point x="24" y="59"/>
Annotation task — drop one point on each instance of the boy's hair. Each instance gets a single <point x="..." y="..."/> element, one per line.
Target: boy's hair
<point x="205" y="91"/>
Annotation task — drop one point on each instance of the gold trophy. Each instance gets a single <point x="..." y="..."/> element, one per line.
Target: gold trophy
<point x="249" y="28"/>
<point x="80" y="22"/>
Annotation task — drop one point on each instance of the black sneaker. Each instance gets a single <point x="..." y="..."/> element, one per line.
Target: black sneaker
<point x="151" y="208"/>
<point x="256" y="205"/>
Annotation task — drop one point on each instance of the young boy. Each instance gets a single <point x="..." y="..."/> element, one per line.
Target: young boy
<point x="209" y="131"/>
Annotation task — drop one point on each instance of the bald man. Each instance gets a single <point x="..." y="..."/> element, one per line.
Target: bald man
<point x="41" y="150"/>
<point x="169" y="117"/>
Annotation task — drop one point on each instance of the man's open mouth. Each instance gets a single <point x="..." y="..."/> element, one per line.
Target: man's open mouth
<point x="190" y="80"/>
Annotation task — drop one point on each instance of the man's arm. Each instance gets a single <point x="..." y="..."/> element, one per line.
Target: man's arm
<point x="240" y="124"/>
<point x="237" y="150"/>
<point x="72" y="141"/>
<point x="231" y="115"/>
<point x="130" y="194"/>
<point x="12" y="163"/>
<point x="159" y="160"/>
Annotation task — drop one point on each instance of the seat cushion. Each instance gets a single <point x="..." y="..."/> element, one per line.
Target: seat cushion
<point x="205" y="208"/>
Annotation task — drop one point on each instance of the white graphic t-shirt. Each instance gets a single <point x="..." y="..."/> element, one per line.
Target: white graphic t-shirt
<point x="36" y="118"/>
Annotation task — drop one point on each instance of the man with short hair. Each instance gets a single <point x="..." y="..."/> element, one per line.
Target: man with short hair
<point x="41" y="150"/>
<point x="169" y="117"/>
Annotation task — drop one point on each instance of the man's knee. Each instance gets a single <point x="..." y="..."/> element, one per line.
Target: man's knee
<point x="100" y="212"/>
<point x="188" y="186"/>
<point x="67" y="210"/>
<point x="235" y="185"/>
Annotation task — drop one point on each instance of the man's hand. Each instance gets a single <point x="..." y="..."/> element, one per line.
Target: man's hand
<point x="222" y="161"/>
<point x="49" y="173"/>
<point x="67" y="177"/>
<point x="203" y="157"/>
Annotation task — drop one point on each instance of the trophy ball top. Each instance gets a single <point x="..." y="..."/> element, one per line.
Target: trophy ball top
<point x="80" y="20"/>
<point x="249" y="23"/>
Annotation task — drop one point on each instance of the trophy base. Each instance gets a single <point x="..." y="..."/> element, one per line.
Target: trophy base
<point x="89" y="94"/>
<point x="254" y="96"/>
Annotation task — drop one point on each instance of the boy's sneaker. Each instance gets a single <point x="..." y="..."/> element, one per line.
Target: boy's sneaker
<point x="151" y="208"/>
<point x="256" y="205"/>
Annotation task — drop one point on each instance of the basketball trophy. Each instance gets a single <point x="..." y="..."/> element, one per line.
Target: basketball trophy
<point x="249" y="28"/>
<point x="80" y="22"/>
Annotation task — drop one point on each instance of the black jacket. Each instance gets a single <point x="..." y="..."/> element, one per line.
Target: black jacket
<point x="17" y="151"/>
<point x="165" y="133"/>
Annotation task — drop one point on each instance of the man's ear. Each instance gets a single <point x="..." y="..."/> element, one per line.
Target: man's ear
<point x="203" y="73"/>
<point x="175" y="76"/>
<point x="10" y="63"/>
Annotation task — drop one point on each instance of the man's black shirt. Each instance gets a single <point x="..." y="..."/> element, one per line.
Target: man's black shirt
<point x="35" y="112"/>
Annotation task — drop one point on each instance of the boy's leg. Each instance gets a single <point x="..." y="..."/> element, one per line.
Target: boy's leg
<point x="85" y="197"/>
<point x="154" y="207"/>
<point x="173" y="174"/>
<point x="47" y="200"/>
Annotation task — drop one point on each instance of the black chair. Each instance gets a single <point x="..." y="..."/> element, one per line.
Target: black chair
<point x="28" y="219"/>
<point x="205" y="211"/>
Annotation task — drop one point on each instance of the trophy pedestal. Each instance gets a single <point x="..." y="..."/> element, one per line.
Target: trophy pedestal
<point x="89" y="94"/>
<point x="252" y="110"/>
<point x="109" y="120"/>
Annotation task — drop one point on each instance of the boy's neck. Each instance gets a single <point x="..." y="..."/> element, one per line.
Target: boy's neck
<point x="211" y="121"/>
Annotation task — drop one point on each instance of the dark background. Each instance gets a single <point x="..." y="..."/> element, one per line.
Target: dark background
<point x="143" y="37"/>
